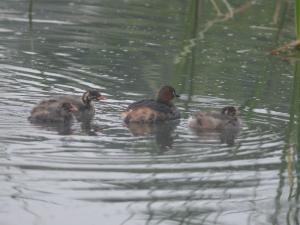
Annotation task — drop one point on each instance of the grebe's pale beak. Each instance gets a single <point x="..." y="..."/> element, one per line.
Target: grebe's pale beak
<point x="101" y="97"/>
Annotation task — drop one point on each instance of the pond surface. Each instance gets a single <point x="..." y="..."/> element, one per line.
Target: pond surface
<point x="104" y="173"/>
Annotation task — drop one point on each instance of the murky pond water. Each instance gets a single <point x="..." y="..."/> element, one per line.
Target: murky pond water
<point x="105" y="173"/>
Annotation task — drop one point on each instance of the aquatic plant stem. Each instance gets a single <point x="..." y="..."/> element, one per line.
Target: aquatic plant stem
<point x="297" y="17"/>
<point x="216" y="7"/>
<point x="30" y="3"/>
<point x="296" y="43"/>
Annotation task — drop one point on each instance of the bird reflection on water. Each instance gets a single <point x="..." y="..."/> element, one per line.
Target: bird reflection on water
<point x="87" y="127"/>
<point x="60" y="128"/>
<point x="162" y="132"/>
<point x="226" y="136"/>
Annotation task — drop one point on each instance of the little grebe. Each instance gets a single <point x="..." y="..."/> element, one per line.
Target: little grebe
<point x="52" y="111"/>
<point x="86" y="109"/>
<point x="150" y="110"/>
<point x="227" y="118"/>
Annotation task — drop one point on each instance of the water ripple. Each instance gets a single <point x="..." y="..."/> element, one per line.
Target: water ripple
<point x="159" y="174"/>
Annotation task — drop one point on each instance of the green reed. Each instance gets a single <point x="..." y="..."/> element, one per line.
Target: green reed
<point x="297" y="12"/>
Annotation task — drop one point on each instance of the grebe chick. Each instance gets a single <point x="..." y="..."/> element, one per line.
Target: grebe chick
<point x="84" y="103"/>
<point x="227" y="118"/>
<point x="52" y="111"/>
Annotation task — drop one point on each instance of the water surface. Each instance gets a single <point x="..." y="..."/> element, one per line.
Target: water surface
<point x="106" y="173"/>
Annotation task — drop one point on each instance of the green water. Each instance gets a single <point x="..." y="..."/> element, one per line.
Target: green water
<point x="214" y="53"/>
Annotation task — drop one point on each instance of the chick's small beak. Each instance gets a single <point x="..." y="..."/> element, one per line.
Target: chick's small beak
<point x="73" y="109"/>
<point x="175" y="95"/>
<point x="101" y="97"/>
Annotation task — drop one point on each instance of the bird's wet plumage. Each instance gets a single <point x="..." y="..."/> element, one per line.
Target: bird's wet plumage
<point x="150" y="110"/>
<point x="227" y="118"/>
<point x="84" y="103"/>
<point x="51" y="110"/>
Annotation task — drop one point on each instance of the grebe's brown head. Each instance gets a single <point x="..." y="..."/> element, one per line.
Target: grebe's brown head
<point x="166" y="94"/>
<point x="68" y="107"/>
<point x="92" y="95"/>
<point x="230" y="111"/>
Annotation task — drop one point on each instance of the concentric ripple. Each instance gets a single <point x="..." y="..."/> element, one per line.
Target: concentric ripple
<point x="105" y="172"/>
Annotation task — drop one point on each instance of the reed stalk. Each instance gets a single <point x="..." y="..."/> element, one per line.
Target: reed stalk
<point x="297" y="16"/>
<point x="30" y="3"/>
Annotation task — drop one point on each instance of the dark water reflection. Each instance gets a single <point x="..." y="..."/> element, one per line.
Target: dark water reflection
<point x="106" y="173"/>
<point x="162" y="132"/>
